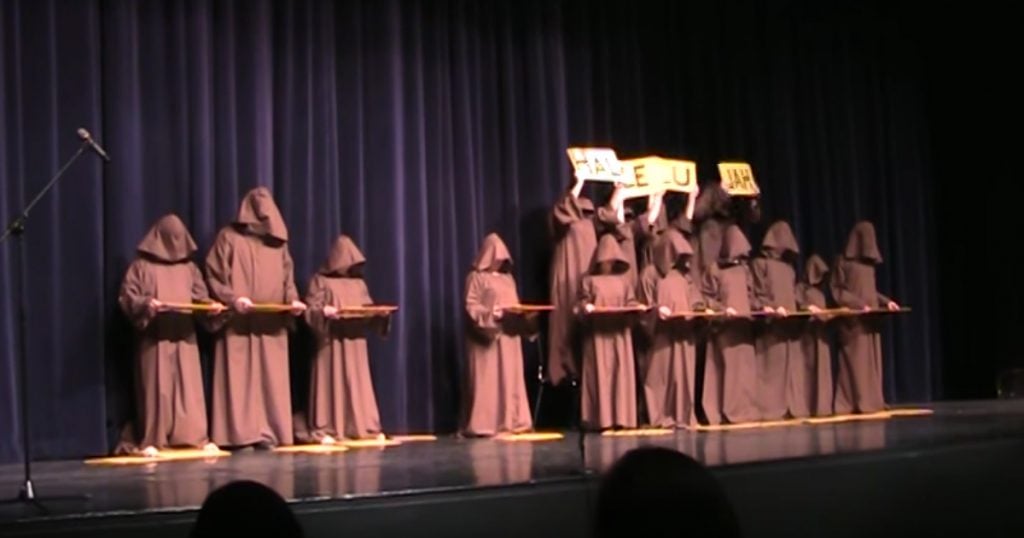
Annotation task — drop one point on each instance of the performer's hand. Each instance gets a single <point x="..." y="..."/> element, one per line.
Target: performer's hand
<point x="330" y="312"/>
<point x="731" y="312"/>
<point x="497" y="313"/>
<point x="814" y="309"/>
<point x="243" y="304"/>
<point x="664" y="312"/>
<point x="589" y="308"/>
<point x="769" y="310"/>
<point x="782" y="311"/>
<point x="866" y="308"/>
<point x="298" y="307"/>
<point x="155" y="306"/>
<point x="709" y="311"/>
<point x="217" y="307"/>
<point x="893" y="306"/>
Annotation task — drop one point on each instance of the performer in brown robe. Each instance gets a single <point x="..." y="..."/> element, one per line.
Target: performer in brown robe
<point x="668" y="368"/>
<point x="342" y="403"/>
<point x="859" y="381"/>
<point x="781" y="365"/>
<point x="172" y="409"/>
<point x="609" y="374"/>
<point x="814" y="341"/>
<point x="715" y="211"/>
<point x="730" y="376"/>
<point x="249" y="263"/>
<point x="572" y="221"/>
<point x="672" y="216"/>
<point x="497" y="399"/>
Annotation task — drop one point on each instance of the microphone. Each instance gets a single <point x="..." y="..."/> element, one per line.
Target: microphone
<point x="84" y="135"/>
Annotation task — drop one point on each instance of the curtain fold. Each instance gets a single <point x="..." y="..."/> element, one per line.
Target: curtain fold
<point x="417" y="128"/>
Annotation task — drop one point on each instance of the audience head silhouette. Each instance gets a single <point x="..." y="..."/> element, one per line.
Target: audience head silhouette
<point x="248" y="509"/>
<point x="656" y="492"/>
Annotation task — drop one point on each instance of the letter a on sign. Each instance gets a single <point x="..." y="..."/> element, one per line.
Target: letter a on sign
<point x="599" y="164"/>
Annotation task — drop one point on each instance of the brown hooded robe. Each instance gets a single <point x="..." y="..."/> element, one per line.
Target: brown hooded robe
<point x="814" y="341"/>
<point x="572" y="222"/>
<point x="668" y="369"/>
<point x="497" y="399"/>
<point x="781" y="365"/>
<point x="609" y="374"/>
<point x="169" y="380"/>
<point x="342" y="403"/>
<point x="251" y="391"/>
<point x="859" y="380"/>
<point x="730" y="369"/>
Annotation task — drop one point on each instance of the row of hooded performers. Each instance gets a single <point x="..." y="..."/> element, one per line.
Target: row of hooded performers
<point x="772" y="371"/>
<point x="251" y="405"/>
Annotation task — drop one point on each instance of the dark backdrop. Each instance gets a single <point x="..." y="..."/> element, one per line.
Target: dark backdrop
<point x="418" y="127"/>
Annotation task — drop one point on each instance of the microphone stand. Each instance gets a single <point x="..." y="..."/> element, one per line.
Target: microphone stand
<point x="16" y="230"/>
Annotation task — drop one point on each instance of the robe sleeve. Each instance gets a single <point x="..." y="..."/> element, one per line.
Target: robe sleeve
<point x="709" y="203"/>
<point x="481" y="314"/>
<point x="750" y="288"/>
<point x="843" y="296"/>
<point x="317" y="297"/>
<point x="136" y="291"/>
<point x="564" y="214"/>
<point x="803" y="302"/>
<point x="607" y="221"/>
<point x="697" y="300"/>
<point x="761" y="285"/>
<point x="586" y="294"/>
<point x="200" y="294"/>
<point x="648" y="294"/>
<point x="631" y="299"/>
<point x="710" y="287"/>
<point x="218" y="270"/>
<point x="291" y="293"/>
<point x="644" y="231"/>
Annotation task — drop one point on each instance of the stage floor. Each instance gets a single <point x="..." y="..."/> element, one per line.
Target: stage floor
<point x="452" y="464"/>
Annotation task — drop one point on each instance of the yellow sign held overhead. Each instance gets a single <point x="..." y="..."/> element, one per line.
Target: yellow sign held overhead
<point x="599" y="164"/>
<point x="738" y="179"/>
<point x="655" y="174"/>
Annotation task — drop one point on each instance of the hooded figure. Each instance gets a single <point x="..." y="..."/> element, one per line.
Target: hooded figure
<point x="669" y="368"/>
<point x="342" y="403"/>
<point x="730" y="369"/>
<point x="715" y="211"/>
<point x="814" y="341"/>
<point x="575" y="235"/>
<point x="609" y="374"/>
<point x="781" y="365"/>
<point x="859" y="380"/>
<point x="249" y="263"/>
<point x="496" y="385"/>
<point x="169" y="381"/>
<point x="673" y="216"/>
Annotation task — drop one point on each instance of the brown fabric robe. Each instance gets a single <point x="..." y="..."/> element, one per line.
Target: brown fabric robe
<point x="609" y="374"/>
<point x="668" y="368"/>
<point x="730" y="370"/>
<point x="572" y="222"/>
<point x="496" y="385"/>
<point x="782" y="385"/>
<point x="342" y="403"/>
<point x="667" y="220"/>
<point x="169" y="380"/>
<point x="814" y="341"/>
<point x="859" y="380"/>
<point x="251" y="391"/>
<point x="714" y="211"/>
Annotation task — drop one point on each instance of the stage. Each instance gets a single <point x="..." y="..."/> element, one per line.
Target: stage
<point x="957" y="471"/>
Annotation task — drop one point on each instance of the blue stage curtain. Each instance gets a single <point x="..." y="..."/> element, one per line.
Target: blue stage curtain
<point x="417" y="128"/>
